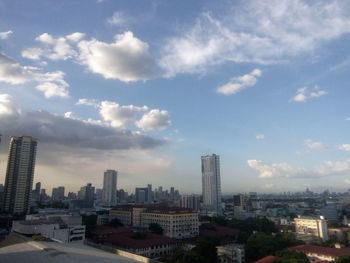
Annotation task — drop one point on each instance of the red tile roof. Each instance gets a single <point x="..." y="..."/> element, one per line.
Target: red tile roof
<point x="127" y="240"/>
<point x="104" y="230"/>
<point x="334" y="252"/>
<point x="268" y="259"/>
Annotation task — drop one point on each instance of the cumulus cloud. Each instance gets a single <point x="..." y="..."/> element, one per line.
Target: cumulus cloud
<point x="313" y="145"/>
<point x="345" y="147"/>
<point x="273" y="170"/>
<point x="304" y="94"/>
<point x="260" y="136"/>
<point x="127" y="59"/>
<point x="68" y="131"/>
<point x="236" y="84"/>
<point x="154" y="120"/>
<point x="6" y="34"/>
<point x="60" y="48"/>
<point x="261" y="32"/>
<point x="119" y="115"/>
<point x="52" y="84"/>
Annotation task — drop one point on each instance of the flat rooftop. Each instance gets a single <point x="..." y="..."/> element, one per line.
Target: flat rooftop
<point x="53" y="252"/>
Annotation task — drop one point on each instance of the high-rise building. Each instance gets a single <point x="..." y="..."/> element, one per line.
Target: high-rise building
<point x="19" y="174"/>
<point x="109" y="194"/>
<point x="190" y="201"/>
<point x="37" y="187"/>
<point x="87" y="195"/>
<point x="58" y="193"/>
<point x="211" y="186"/>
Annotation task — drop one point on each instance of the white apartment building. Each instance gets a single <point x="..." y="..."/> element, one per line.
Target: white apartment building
<point x="211" y="185"/>
<point x="109" y="192"/>
<point x="314" y="227"/>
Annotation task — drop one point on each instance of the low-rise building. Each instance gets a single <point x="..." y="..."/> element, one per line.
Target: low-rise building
<point x="230" y="253"/>
<point x="315" y="253"/>
<point x="64" y="228"/>
<point x="176" y="222"/>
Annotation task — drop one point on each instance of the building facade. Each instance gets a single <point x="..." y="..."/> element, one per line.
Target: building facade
<point x="19" y="174"/>
<point x="313" y="227"/>
<point x="211" y="185"/>
<point x="109" y="192"/>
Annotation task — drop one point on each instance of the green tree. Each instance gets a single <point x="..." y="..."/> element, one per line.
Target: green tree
<point x="290" y="256"/>
<point x="155" y="228"/>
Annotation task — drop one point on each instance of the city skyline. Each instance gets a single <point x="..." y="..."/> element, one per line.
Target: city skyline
<point x="146" y="88"/>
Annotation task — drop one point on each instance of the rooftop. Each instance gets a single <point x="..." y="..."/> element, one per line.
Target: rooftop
<point x="334" y="252"/>
<point x="127" y="239"/>
<point x="268" y="259"/>
<point x="43" y="252"/>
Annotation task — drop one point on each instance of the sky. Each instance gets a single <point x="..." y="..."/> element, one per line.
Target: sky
<point x="147" y="87"/>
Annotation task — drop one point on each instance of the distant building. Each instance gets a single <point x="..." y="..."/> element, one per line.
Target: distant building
<point x="109" y="194"/>
<point x="211" y="185"/>
<point x="314" y="228"/>
<point x="86" y="195"/>
<point x="191" y="202"/>
<point x="143" y="194"/>
<point x="58" y="193"/>
<point x="19" y="174"/>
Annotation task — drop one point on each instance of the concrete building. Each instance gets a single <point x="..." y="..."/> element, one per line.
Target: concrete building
<point x="87" y="195"/>
<point x="176" y="222"/>
<point x="230" y="253"/>
<point x="319" y="253"/>
<point x="19" y="174"/>
<point x="191" y="202"/>
<point x="143" y="195"/>
<point x="58" y="193"/>
<point x="311" y="228"/>
<point x="109" y="193"/>
<point x="211" y="185"/>
<point x="65" y="228"/>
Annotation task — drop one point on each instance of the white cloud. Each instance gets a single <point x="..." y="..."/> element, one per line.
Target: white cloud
<point x="60" y="48"/>
<point x="118" y="19"/>
<point x="261" y="32"/>
<point x="347" y="119"/>
<point x="154" y="120"/>
<point x="127" y="59"/>
<point x="8" y="107"/>
<point x="345" y="147"/>
<point x="304" y="94"/>
<point x="5" y="35"/>
<point x="329" y="168"/>
<point x="88" y="102"/>
<point x="312" y="145"/>
<point x="50" y="83"/>
<point x="236" y="84"/>
<point x="347" y="181"/>
<point x="68" y="130"/>
<point x="119" y="115"/>
<point x="260" y="136"/>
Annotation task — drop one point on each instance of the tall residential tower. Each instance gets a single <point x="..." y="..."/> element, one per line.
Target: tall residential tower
<point x="109" y="192"/>
<point x="19" y="174"/>
<point x="211" y="186"/>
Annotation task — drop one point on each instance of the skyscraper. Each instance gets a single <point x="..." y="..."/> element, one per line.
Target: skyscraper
<point x="19" y="174"/>
<point x="109" y="194"/>
<point x="211" y="186"/>
<point x="87" y="195"/>
<point x="58" y="193"/>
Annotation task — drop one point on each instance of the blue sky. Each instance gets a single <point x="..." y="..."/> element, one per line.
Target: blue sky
<point x="147" y="87"/>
